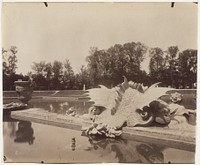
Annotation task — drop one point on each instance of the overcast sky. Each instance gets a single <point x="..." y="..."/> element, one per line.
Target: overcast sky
<point x="68" y="30"/>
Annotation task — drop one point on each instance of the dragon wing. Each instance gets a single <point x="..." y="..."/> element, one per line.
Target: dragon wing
<point x="108" y="98"/>
<point x="100" y="96"/>
<point x="152" y="93"/>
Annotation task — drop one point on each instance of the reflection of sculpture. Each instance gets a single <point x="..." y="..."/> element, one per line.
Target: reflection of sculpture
<point x="71" y="111"/>
<point x="73" y="145"/>
<point x="127" y="151"/>
<point x="24" y="132"/>
<point x="129" y="104"/>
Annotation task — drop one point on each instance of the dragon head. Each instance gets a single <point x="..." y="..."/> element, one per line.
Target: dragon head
<point x="160" y="111"/>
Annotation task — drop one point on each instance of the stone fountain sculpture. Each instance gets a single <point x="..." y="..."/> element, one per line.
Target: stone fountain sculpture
<point x="24" y="90"/>
<point x="129" y="104"/>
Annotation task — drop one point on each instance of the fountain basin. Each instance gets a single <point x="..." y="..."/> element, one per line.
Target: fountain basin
<point x="182" y="139"/>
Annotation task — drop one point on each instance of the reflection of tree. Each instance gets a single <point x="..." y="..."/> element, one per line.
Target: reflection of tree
<point x="152" y="153"/>
<point x="127" y="151"/>
<point x="62" y="107"/>
<point x="9" y="124"/>
<point x="24" y="132"/>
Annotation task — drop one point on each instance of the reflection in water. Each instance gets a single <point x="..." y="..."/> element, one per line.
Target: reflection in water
<point x="9" y="125"/>
<point x="152" y="153"/>
<point x="24" y="132"/>
<point x="88" y="149"/>
<point x="12" y="127"/>
<point x="60" y="107"/>
<point x="127" y="151"/>
<point x="64" y="106"/>
<point x="73" y="145"/>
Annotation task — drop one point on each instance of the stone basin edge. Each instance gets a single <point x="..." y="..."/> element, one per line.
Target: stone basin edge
<point x="180" y="139"/>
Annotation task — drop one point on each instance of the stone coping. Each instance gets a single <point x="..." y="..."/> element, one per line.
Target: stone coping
<point x="180" y="139"/>
<point x="42" y="116"/>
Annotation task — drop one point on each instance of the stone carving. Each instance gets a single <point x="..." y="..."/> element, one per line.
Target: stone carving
<point x="176" y="97"/>
<point x="130" y="104"/>
<point x="71" y="112"/>
<point x="24" y="90"/>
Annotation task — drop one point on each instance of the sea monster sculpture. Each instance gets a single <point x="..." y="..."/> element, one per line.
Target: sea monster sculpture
<point x="128" y="104"/>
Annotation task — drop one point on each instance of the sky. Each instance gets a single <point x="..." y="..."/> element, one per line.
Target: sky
<point x="68" y="30"/>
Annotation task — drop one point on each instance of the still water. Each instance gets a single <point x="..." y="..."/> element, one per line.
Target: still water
<point x="26" y="141"/>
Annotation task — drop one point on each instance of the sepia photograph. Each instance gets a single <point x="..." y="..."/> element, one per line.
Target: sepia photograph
<point x="99" y="82"/>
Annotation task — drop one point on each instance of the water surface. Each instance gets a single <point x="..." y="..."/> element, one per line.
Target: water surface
<point x="26" y="141"/>
<point x="33" y="142"/>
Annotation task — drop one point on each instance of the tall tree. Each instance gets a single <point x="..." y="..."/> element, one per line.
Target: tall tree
<point x="9" y="67"/>
<point x="39" y="75"/>
<point x="48" y="70"/>
<point x="48" y="73"/>
<point x="83" y="78"/>
<point x="57" y="70"/>
<point x="68" y="76"/>
<point x="188" y="67"/>
<point x="108" y="66"/>
<point x="171" y="59"/>
<point x="9" y="60"/>
<point x="157" y="59"/>
<point x="68" y="71"/>
<point x="39" y="67"/>
<point x="156" y="65"/>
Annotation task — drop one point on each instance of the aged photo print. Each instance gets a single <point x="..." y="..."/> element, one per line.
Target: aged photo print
<point x="99" y="82"/>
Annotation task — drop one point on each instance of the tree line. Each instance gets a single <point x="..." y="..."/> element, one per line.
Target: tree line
<point x="171" y="67"/>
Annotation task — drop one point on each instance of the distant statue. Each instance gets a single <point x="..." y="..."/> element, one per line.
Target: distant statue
<point x="83" y="87"/>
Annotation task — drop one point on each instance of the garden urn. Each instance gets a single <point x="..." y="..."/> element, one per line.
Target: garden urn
<point x="24" y="90"/>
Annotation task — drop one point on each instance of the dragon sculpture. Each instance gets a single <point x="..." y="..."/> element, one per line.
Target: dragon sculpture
<point x="128" y="104"/>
